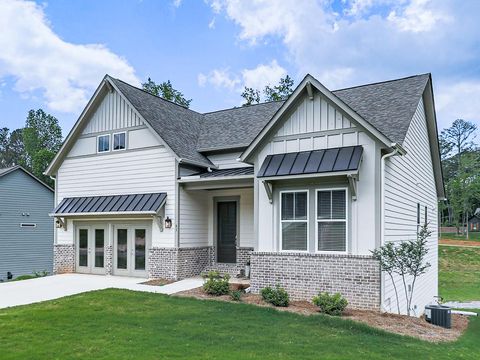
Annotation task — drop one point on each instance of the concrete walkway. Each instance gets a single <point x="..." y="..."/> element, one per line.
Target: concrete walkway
<point x="463" y="305"/>
<point x="57" y="286"/>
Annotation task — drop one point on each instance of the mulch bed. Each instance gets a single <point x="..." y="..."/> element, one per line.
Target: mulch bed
<point x="460" y="242"/>
<point x="157" y="282"/>
<point x="398" y="324"/>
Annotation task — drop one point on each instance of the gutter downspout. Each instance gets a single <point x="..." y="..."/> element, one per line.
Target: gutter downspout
<point x="397" y="150"/>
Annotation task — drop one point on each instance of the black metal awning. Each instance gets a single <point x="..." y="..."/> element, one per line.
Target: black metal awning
<point x="334" y="160"/>
<point x="134" y="203"/>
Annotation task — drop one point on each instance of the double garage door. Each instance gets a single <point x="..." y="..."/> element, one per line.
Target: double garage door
<point x="122" y="247"/>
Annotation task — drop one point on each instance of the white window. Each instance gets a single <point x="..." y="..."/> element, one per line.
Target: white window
<point x="103" y="143"/>
<point x="119" y="141"/>
<point x="294" y="220"/>
<point x="331" y="231"/>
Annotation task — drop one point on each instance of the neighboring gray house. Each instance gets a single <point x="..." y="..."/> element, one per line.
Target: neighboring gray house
<point x="26" y="230"/>
<point x="304" y="189"/>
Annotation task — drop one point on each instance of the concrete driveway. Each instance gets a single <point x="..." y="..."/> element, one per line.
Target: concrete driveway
<point x="57" y="286"/>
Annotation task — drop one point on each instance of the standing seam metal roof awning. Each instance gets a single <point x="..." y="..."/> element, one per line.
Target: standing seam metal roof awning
<point x="333" y="160"/>
<point x="134" y="203"/>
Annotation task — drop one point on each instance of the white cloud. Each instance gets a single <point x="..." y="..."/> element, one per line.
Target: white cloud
<point x="177" y="3"/>
<point x="257" y="78"/>
<point x="263" y="74"/>
<point x="367" y="40"/>
<point x="219" y="78"/>
<point x="211" y="24"/>
<point x="418" y="16"/>
<point x="458" y="100"/>
<point x="39" y="60"/>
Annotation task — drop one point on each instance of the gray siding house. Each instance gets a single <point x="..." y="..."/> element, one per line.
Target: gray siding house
<point x="26" y="229"/>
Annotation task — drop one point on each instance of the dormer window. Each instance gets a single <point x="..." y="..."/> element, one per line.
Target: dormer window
<point x="103" y="143"/>
<point x="119" y="141"/>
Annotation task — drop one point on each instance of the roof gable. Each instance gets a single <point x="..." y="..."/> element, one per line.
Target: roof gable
<point x="306" y="86"/>
<point x="6" y="171"/>
<point x="176" y="125"/>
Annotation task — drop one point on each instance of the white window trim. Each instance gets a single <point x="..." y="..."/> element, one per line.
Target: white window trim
<point x="109" y="143"/>
<point x="113" y="141"/>
<point x="347" y="218"/>
<point x="300" y="221"/>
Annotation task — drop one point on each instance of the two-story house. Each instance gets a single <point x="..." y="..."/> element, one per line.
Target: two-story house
<point x="304" y="189"/>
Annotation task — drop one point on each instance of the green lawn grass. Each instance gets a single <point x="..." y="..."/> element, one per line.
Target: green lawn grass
<point x="459" y="273"/>
<point x="472" y="236"/>
<point x="120" y="324"/>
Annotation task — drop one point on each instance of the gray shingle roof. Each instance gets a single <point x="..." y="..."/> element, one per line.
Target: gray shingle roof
<point x="177" y="126"/>
<point x="235" y="127"/>
<point x="389" y="106"/>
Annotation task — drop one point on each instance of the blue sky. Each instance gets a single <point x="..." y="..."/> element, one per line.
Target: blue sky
<point x="55" y="53"/>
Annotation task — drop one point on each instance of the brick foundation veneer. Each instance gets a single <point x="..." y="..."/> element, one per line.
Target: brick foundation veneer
<point x="356" y="277"/>
<point x="192" y="261"/>
<point x="177" y="263"/>
<point x="63" y="259"/>
<point x="243" y="256"/>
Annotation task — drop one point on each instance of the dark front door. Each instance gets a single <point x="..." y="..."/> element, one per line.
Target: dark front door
<point x="226" y="232"/>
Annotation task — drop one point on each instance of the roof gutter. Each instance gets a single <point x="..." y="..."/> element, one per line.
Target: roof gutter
<point x="398" y="150"/>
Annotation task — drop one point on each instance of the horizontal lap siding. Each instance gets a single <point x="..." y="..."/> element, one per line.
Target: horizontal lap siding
<point x="193" y="218"/>
<point x="410" y="180"/>
<point x="136" y="172"/>
<point x="24" y="250"/>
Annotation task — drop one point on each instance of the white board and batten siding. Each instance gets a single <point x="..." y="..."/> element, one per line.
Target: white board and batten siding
<point x="317" y="124"/>
<point x="112" y="113"/>
<point x="145" y="166"/>
<point x="410" y="180"/>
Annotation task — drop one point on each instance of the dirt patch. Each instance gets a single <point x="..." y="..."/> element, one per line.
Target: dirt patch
<point x="398" y="324"/>
<point x="157" y="282"/>
<point x="460" y="242"/>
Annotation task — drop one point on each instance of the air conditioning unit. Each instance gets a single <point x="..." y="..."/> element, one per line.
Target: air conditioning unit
<point x="439" y="315"/>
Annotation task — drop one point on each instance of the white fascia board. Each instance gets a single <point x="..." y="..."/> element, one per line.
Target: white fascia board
<point x="197" y="178"/>
<point x="307" y="176"/>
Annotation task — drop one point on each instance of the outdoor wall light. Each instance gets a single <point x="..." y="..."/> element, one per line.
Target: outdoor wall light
<point x="168" y="223"/>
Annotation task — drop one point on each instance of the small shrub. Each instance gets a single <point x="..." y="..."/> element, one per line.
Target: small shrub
<point x="216" y="284"/>
<point x="236" y="295"/>
<point x="276" y="296"/>
<point x="330" y="304"/>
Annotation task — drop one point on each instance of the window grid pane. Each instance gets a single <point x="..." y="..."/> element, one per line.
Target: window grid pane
<point x="119" y="141"/>
<point x="338" y="204"/>
<point x="332" y="236"/>
<point x="103" y="143"/>
<point x="301" y="206"/>
<point x="324" y="205"/>
<point x="294" y="236"/>
<point x="287" y="206"/>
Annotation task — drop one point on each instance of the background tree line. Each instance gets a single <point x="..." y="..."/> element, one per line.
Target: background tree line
<point x="32" y="146"/>
<point x="461" y="172"/>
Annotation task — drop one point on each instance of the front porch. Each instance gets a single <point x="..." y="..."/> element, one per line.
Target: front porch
<point x="216" y="216"/>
